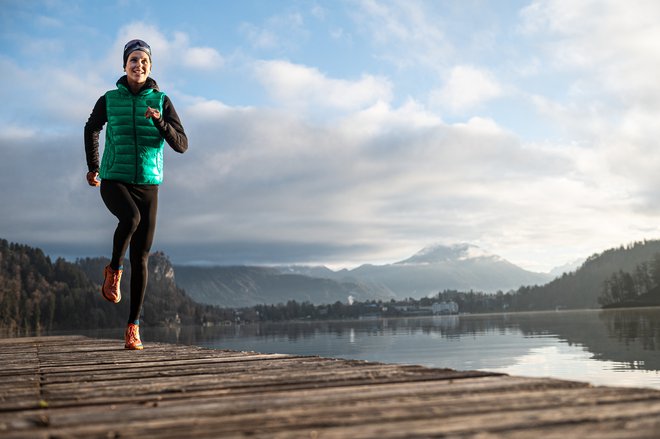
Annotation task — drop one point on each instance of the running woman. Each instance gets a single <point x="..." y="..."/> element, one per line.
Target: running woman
<point x="140" y="119"/>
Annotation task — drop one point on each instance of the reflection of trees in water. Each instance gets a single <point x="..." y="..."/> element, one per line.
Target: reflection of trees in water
<point x="631" y="337"/>
<point x="467" y="326"/>
<point x="451" y="327"/>
<point x="627" y="336"/>
<point x="634" y="337"/>
<point x="640" y="326"/>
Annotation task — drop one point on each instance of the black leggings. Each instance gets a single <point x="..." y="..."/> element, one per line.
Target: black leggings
<point x="135" y="206"/>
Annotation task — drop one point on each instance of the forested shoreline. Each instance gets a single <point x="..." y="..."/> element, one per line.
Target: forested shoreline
<point x="41" y="295"/>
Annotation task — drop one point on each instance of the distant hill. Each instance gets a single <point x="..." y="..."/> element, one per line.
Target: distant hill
<point x="164" y="300"/>
<point x="249" y="286"/>
<point x="38" y="294"/>
<point x="581" y="288"/>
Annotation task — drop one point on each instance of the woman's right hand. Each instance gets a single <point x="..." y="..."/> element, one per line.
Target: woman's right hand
<point x="93" y="179"/>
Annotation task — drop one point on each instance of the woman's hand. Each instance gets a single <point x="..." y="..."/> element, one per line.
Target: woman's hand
<point x="151" y="112"/>
<point x="93" y="179"/>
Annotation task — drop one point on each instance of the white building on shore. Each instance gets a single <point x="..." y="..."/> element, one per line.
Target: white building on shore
<point x="445" y="307"/>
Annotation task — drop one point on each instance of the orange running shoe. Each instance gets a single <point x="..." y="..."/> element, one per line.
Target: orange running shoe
<point x="132" y="336"/>
<point x="110" y="289"/>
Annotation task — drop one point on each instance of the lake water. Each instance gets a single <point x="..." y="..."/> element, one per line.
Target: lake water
<point x="614" y="347"/>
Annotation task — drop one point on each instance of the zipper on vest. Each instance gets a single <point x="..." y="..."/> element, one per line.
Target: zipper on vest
<point x="135" y="141"/>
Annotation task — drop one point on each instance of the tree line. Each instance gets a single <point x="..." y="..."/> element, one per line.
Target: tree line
<point x="583" y="288"/>
<point x="468" y="302"/>
<point x="37" y="294"/>
<point x="628" y="287"/>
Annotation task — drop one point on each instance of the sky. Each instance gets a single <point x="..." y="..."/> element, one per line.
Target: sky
<point x="346" y="132"/>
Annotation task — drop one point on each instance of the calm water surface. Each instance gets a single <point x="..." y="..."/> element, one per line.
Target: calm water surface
<point x="617" y="347"/>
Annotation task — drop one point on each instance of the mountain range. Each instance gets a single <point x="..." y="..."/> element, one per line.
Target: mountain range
<point x="435" y="268"/>
<point x="37" y="293"/>
<point x="248" y="286"/>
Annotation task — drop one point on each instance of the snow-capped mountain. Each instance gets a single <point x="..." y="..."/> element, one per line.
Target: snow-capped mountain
<point x="435" y="268"/>
<point x="438" y="253"/>
<point x="462" y="267"/>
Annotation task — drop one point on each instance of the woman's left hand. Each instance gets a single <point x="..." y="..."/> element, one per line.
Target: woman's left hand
<point x="151" y="112"/>
<point x="93" y="179"/>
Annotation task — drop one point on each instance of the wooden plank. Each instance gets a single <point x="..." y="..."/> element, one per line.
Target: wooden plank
<point x="85" y="388"/>
<point x="115" y="391"/>
<point x="404" y="421"/>
<point x="320" y="404"/>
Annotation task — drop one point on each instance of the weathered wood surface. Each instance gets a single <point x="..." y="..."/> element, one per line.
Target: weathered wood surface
<point x="76" y="387"/>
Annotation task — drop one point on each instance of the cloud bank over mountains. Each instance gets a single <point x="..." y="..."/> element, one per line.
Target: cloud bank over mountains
<point x="527" y="130"/>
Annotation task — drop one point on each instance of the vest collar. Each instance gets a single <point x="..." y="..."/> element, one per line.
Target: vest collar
<point x="149" y="86"/>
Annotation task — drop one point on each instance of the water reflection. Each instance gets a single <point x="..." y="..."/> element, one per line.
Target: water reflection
<point x="616" y="347"/>
<point x="626" y="336"/>
<point x="638" y="332"/>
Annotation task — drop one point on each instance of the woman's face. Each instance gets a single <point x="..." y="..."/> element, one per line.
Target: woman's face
<point x="138" y="67"/>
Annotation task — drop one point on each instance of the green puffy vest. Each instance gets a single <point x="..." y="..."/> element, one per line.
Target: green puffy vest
<point x="133" y="150"/>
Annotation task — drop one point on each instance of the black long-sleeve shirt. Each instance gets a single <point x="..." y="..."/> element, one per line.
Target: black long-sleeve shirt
<point x="169" y="125"/>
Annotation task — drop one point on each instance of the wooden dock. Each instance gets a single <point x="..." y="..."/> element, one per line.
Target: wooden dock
<point x="77" y="387"/>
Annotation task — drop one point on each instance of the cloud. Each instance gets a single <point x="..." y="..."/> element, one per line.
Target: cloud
<point x="369" y="184"/>
<point x="319" y="12"/>
<point x="283" y="31"/>
<point x="14" y="134"/>
<point x="466" y="88"/>
<point x="206" y="58"/>
<point x="171" y="55"/>
<point x="302" y="87"/>
<point x="375" y="177"/>
<point x="405" y="33"/>
<point x="351" y="168"/>
<point x="612" y="98"/>
<point x="73" y="87"/>
<point x="609" y="44"/>
<point x="49" y="203"/>
<point x="609" y="39"/>
<point x="53" y="108"/>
